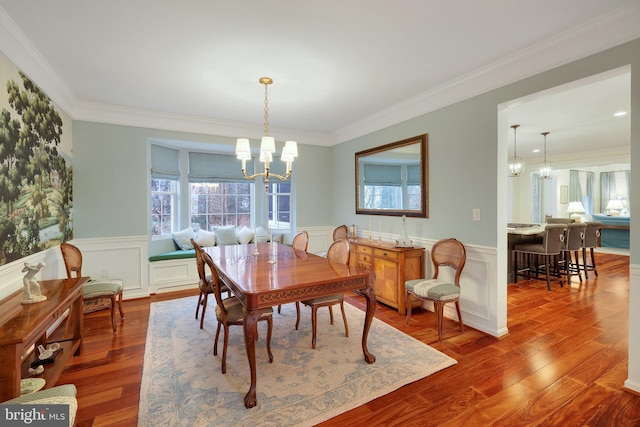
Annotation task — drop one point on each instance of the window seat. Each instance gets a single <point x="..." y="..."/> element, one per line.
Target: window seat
<point x="615" y="230"/>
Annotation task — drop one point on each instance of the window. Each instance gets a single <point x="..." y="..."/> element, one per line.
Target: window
<point x="165" y="175"/>
<point x="382" y="197"/>
<point x="215" y="204"/>
<point x="164" y="196"/>
<point x="280" y="206"/>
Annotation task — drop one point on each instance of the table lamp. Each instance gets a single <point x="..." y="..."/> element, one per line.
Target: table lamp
<point x="614" y="206"/>
<point x="575" y="208"/>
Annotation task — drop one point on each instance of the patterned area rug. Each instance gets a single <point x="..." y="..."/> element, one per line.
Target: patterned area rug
<point x="182" y="383"/>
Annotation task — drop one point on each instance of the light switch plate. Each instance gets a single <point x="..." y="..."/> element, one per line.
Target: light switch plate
<point x="476" y="214"/>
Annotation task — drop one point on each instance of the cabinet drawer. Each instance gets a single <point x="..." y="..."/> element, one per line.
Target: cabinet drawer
<point x="381" y="253"/>
<point x="364" y="249"/>
<point x="364" y="266"/>
<point x="364" y="258"/>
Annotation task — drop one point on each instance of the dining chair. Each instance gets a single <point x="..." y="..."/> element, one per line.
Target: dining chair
<point x="229" y="312"/>
<point x="339" y="233"/>
<point x="571" y="248"/>
<point x="590" y="241"/>
<point x="95" y="289"/>
<point x="202" y="283"/>
<point x="301" y="241"/>
<point x="449" y="253"/>
<point x="528" y="256"/>
<point x="338" y="252"/>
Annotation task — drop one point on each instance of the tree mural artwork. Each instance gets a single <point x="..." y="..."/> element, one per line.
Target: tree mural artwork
<point x="35" y="179"/>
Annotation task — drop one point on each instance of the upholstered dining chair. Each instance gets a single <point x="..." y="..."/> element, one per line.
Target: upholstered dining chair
<point x="449" y="253"/>
<point x="229" y="312"/>
<point x="338" y="252"/>
<point x="527" y="256"/>
<point x="202" y="283"/>
<point x="94" y="289"/>
<point x="590" y="241"/>
<point x="574" y="235"/>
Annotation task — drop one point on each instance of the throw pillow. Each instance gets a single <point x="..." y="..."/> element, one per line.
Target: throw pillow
<point x="183" y="238"/>
<point x="226" y="235"/>
<point x="261" y="235"/>
<point x="278" y="238"/>
<point x="245" y="235"/>
<point x="206" y="238"/>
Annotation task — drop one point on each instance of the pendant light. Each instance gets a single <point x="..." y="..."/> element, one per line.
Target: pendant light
<point x="545" y="170"/>
<point x="516" y="164"/>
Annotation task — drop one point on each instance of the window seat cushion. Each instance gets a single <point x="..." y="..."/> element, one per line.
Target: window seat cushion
<point x="179" y="254"/>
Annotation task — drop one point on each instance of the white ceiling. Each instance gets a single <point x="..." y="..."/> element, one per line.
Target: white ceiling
<point x="341" y="69"/>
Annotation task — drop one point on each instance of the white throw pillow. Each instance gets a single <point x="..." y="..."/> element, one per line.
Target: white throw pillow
<point x="206" y="238"/>
<point x="261" y="235"/>
<point x="245" y="235"/>
<point x="183" y="238"/>
<point x="226" y="235"/>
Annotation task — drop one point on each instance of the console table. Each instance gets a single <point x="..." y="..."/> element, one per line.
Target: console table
<point x="391" y="266"/>
<point x="27" y="328"/>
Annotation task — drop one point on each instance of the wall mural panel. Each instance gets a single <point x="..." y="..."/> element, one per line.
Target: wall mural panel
<point x="36" y="177"/>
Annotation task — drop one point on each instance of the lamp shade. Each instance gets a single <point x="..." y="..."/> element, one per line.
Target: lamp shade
<point x="575" y="207"/>
<point x="268" y="144"/>
<point x="243" y="149"/>
<point x="266" y="156"/>
<point x="289" y="151"/>
<point x="615" y="204"/>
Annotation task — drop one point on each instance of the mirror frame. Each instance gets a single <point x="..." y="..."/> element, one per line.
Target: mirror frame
<point x="423" y="212"/>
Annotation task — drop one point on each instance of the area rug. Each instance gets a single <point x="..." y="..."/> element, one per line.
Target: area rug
<point x="182" y="383"/>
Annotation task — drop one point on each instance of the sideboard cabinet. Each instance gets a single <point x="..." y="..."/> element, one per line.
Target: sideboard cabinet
<point x="26" y="327"/>
<point x="391" y="267"/>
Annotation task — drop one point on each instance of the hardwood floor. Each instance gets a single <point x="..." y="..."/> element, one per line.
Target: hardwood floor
<point x="563" y="363"/>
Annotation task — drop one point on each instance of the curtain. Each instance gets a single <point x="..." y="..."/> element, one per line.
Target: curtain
<point x="536" y="184"/>
<point x="165" y="162"/>
<point x="575" y="189"/>
<point x="587" y="200"/>
<point x="607" y="189"/>
<point x="383" y="175"/>
<point x="209" y="167"/>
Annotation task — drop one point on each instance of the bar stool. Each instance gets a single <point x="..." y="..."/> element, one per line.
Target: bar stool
<point x="591" y="235"/>
<point x="548" y="250"/>
<point x="574" y="236"/>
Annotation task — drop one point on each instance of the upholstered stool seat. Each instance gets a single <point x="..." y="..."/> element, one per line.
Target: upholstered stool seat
<point x="433" y="289"/>
<point x="59" y="395"/>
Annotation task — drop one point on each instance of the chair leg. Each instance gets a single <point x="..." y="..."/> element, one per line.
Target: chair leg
<point x="439" y="307"/>
<point x="584" y="263"/>
<point x="313" y="326"/>
<point x="199" y="302"/>
<point x="113" y="312"/>
<point x="279" y="307"/>
<point x="593" y="263"/>
<point x="269" y="331"/>
<point x="344" y="319"/>
<point x="120" y="305"/>
<point x="224" y="349"/>
<point x="215" y="342"/>
<point x="547" y="260"/>
<point x="204" y="309"/>
<point x="459" y="316"/>
<point x="407" y="298"/>
<point x="297" y="314"/>
<point x="331" y="314"/>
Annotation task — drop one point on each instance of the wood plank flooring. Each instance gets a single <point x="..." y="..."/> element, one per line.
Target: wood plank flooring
<point x="563" y="363"/>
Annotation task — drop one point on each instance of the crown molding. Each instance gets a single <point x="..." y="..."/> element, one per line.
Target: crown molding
<point x="607" y="31"/>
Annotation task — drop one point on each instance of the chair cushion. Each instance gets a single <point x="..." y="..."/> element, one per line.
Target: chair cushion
<point x="433" y="289"/>
<point x="327" y="299"/>
<point x="235" y="310"/>
<point x="102" y="287"/>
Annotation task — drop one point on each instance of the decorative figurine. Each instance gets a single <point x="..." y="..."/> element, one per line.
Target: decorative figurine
<point x="32" y="293"/>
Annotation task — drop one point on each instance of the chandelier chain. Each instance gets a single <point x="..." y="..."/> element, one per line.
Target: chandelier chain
<point x="266" y="109"/>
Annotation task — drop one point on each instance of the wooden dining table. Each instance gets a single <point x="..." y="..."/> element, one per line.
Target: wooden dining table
<point x="265" y="275"/>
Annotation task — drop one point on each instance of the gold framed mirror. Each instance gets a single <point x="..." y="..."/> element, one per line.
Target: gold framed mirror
<point x="393" y="179"/>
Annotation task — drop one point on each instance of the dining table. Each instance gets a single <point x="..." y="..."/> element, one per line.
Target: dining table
<point x="263" y="275"/>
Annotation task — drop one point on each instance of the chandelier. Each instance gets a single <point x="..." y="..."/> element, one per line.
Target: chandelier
<point x="267" y="147"/>
<point x="516" y="165"/>
<point x="545" y="170"/>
